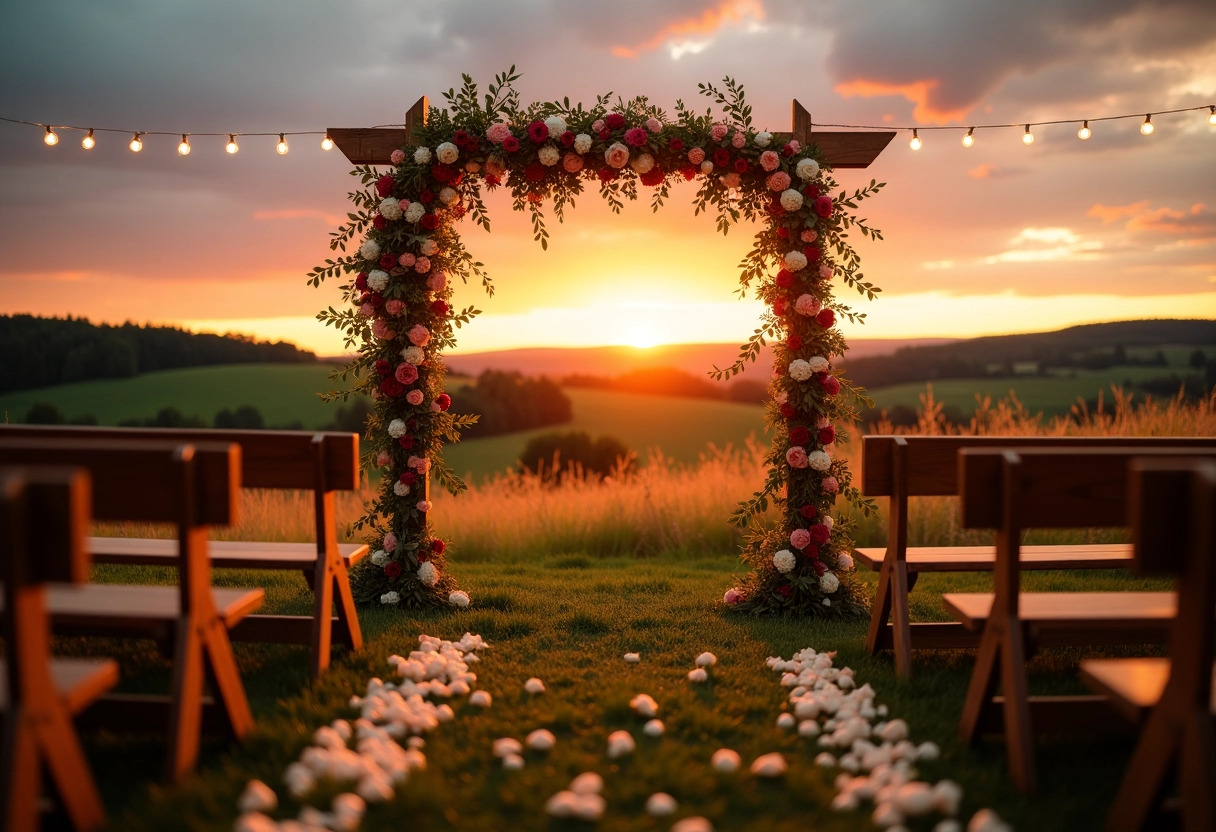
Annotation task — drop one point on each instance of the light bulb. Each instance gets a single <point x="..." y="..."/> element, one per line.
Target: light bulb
<point x="1212" y="117"/>
<point x="136" y="144"/>
<point x="1147" y="127"/>
<point x="1028" y="137"/>
<point x="327" y="143"/>
<point x="969" y="139"/>
<point x="88" y="142"/>
<point x="281" y="147"/>
<point x="1084" y="133"/>
<point x="51" y="138"/>
<point x="915" y="143"/>
<point x="232" y="146"/>
<point x="183" y="149"/>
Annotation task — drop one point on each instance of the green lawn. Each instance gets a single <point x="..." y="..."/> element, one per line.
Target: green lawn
<point x="569" y="620"/>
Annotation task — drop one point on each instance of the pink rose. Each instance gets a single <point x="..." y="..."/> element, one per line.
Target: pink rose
<point x="437" y="282"/>
<point x="732" y="596"/>
<point x="393" y="307"/>
<point x="390" y="542"/>
<point x="598" y="126"/>
<point x="654" y="125"/>
<point x="397" y="157"/>
<point x="696" y="156"/>
<point x="808" y="305"/>
<point x="738" y="140"/>
<point x="435" y="408"/>
<point x="778" y="181"/>
<point x="572" y="162"/>
<point x="731" y="180"/>
<point x="419" y="336"/>
<point x="823" y="206"/>
<point x="799" y="538"/>
<point x="414" y="397"/>
<point x="809" y="236"/>
<point x="769" y="160"/>
<point x="406" y="260"/>
<point x="830" y="485"/>
<point x="794" y="146"/>
<point x="424" y="505"/>
<point x="422" y="265"/>
<point x="844" y="562"/>
<point x="380" y="330"/>
<point x="498" y="132"/>
<point x="406" y="373"/>
<point x="367" y="310"/>
<point x="718" y="132"/>
<point x="636" y="137"/>
<point x="382" y="458"/>
<point x="796" y="457"/>
<point x="826" y="271"/>
<point x="617" y="155"/>
<point x="420" y="464"/>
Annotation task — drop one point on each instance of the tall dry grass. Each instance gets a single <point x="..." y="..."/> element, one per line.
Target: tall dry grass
<point x="669" y="508"/>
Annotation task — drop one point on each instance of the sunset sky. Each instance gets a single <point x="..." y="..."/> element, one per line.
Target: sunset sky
<point x="997" y="238"/>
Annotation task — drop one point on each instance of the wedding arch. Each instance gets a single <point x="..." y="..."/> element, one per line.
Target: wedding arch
<point x="398" y="312"/>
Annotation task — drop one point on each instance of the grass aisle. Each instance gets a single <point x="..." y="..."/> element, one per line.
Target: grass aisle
<point x="569" y="621"/>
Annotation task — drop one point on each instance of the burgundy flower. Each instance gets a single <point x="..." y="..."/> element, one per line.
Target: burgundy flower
<point x="800" y="435"/>
<point x="429" y="222"/>
<point x="675" y="145"/>
<point x="439" y="307"/>
<point x="794" y="342"/>
<point x="535" y="171"/>
<point x="819" y="534"/>
<point x="785" y="591"/>
<point x="390" y="387"/>
<point x="605" y="134"/>
<point x="375" y="299"/>
<point x="741" y="166"/>
<point x="392" y="570"/>
<point x="787" y="410"/>
<point x="442" y="173"/>
<point x="721" y="157"/>
<point x="636" y="137"/>
<point x="537" y="131"/>
<point x="379" y="222"/>
<point x="823" y="206"/>
<point x="437" y="546"/>
<point x="607" y="174"/>
<point x="779" y="307"/>
<point x="819" y="566"/>
<point x="783" y="233"/>
<point x="385" y="185"/>
<point x="825" y="318"/>
<point x="808" y="511"/>
<point x="775" y="208"/>
<point x="567" y="138"/>
<point x="361" y="281"/>
<point x="426" y="196"/>
<point x="408" y="478"/>
<point x="827" y="435"/>
<point x="510" y="144"/>
<point x="615" y="121"/>
<point x="444" y="401"/>
<point x="387" y="261"/>
<point x="406" y="442"/>
<point x="460" y="138"/>
<point x="830" y="385"/>
<point x="383" y="368"/>
<point x="653" y="177"/>
<point x="785" y="278"/>
<point x="688" y="171"/>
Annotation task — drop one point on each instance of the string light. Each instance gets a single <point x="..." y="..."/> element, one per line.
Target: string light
<point x="1028" y="137"/>
<point x="232" y="147"/>
<point x="915" y="143"/>
<point x="183" y="149"/>
<point x="136" y="144"/>
<point x="50" y="138"/>
<point x="1147" y="127"/>
<point x="281" y="147"/>
<point x="88" y="142"/>
<point x="969" y="139"/>
<point x="1084" y="133"/>
<point x="1212" y="117"/>
<point x="327" y="143"/>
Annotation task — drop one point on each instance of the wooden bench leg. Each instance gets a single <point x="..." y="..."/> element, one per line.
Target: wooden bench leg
<point x="347" y="614"/>
<point x="982" y="685"/>
<point x="880" y="609"/>
<point x="322" y="617"/>
<point x="225" y="676"/>
<point x="1019" y="738"/>
<point x="901" y="633"/>
<point x="70" y="772"/>
<point x="1198" y="773"/>
<point x="21" y="771"/>
<point x="186" y="697"/>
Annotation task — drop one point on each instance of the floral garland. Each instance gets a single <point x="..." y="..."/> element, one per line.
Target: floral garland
<point x="400" y="318"/>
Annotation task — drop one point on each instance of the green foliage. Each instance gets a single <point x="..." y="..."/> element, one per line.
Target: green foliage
<point x="559" y="453"/>
<point x="509" y="402"/>
<point x="245" y="417"/>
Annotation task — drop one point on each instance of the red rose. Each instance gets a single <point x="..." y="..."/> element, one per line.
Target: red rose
<point x="607" y="174"/>
<point x="830" y="385"/>
<point x="787" y="410"/>
<point x="444" y="401"/>
<point x="437" y="546"/>
<point x="510" y="144"/>
<point x="426" y="196"/>
<point x="385" y="185"/>
<point x="779" y="307"/>
<point x="783" y="233"/>
<point x="785" y="591"/>
<point x="615" y="121"/>
<point x="379" y="222"/>
<point x="429" y="222"/>
<point x="406" y="442"/>
<point x="741" y="165"/>
<point x="408" y="478"/>
<point x="411" y="424"/>
<point x="567" y="138"/>
<point x="721" y="157"/>
<point x="387" y="261"/>
<point x="439" y="307"/>
<point x="800" y="436"/>
<point x="460" y="138"/>
<point x="775" y="208"/>
<point x="361" y="281"/>
<point x="825" y="318"/>
<point x="654" y="176"/>
<point x="819" y="533"/>
<point x="492" y="181"/>
<point x="383" y="368"/>
<point x="787" y="151"/>
<point x="785" y="278"/>
<point x="823" y="206"/>
<point x="605" y="134"/>
<point x="390" y="387"/>
<point x="537" y="131"/>
<point x="535" y="199"/>
<point x="442" y="173"/>
<point x="827" y="435"/>
<point x="375" y="299"/>
<point x="392" y="570"/>
<point x="813" y="253"/>
<point x="423" y="557"/>
<point x="819" y="566"/>
<point x="688" y="171"/>
<point x="810" y="192"/>
<point x="809" y="512"/>
<point x="534" y="172"/>
<point x="675" y="145"/>
<point x="794" y="342"/>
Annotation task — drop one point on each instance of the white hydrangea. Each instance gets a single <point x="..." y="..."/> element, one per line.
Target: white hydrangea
<point x="807" y="169"/>
<point x="556" y="125"/>
<point x="390" y="598"/>
<point x="794" y="260"/>
<point x="800" y="369"/>
<point x="447" y="153"/>
<point x="819" y="460"/>
<point x="549" y="155"/>
<point x="644" y="163"/>
<point x="582" y="143"/>
<point x="377" y="280"/>
<point x="791" y="200"/>
<point x="829" y="583"/>
<point x="401" y="489"/>
<point x="414" y="212"/>
<point x="370" y="250"/>
<point x="422" y="155"/>
<point x="379" y="557"/>
<point x="428" y="574"/>
<point x="763" y="139"/>
<point x="428" y="247"/>
<point x="819" y="364"/>
<point x="414" y="355"/>
<point x="396" y="428"/>
<point x="390" y="208"/>
<point x="448" y="195"/>
<point x="459" y="598"/>
<point x="784" y="561"/>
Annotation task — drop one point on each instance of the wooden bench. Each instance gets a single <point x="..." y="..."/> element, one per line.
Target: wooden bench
<point x="900" y="467"/>
<point x="192" y="487"/>
<point x="1174" y="528"/>
<point x="44" y="517"/>
<point x="320" y="462"/>
<point x="1013" y="490"/>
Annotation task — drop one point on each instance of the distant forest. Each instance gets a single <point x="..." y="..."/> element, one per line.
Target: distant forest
<point x="41" y="352"/>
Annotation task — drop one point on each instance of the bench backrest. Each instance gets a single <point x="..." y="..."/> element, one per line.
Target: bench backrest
<point x="44" y="510"/>
<point x="930" y="466"/>
<point x="324" y="460"/>
<point x="1172" y="512"/>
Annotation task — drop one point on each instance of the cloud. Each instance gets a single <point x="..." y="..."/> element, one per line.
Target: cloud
<point x="1042" y="245"/>
<point x="988" y="171"/>
<point x="1197" y="224"/>
<point x="707" y="23"/>
<point x="1113" y="213"/>
<point x="299" y="214"/>
<point x="917" y="92"/>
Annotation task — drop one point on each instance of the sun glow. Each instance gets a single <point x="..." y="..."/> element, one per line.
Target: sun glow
<point x="643" y="337"/>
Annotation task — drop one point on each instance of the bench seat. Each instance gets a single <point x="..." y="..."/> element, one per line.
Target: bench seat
<point x="1121" y="614"/>
<point x="79" y="682"/>
<point x="982" y="558"/>
<point x="120" y="609"/>
<point x="1134" y="686"/>
<point x="224" y="554"/>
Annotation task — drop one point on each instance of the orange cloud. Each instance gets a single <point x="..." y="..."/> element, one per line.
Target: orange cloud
<point x="707" y="23"/>
<point x="1197" y="222"/>
<point x="1114" y="213"/>
<point x="980" y="172"/>
<point x="917" y="92"/>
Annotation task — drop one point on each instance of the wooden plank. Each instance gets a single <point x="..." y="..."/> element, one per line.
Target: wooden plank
<point x="1133" y="685"/>
<point x="982" y="558"/>
<point x="281" y="629"/>
<point x="78" y="682"/>
<point x="57" y="506"/>
<point x="1074" y="714"/>
<point x="224" y="554"/>
<point x="930" y="635"/>
<point x="369" y="145"/>
<point x="1116" y="611"/>
<point x="117" y="609"/>
<point x="1157" y="491"/>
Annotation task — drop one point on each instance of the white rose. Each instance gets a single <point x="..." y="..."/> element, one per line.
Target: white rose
<point x="807" y="169"/>
<point x="582" y="143"/>
<point x="819" y="364"/>
<point x="370" y="250"/>
<point x="427" y="574"/>
<point x="819" y="460"/>
<point x="800" y="370"/>
<point x="644" y="163"/>
<point x="396" y="428"/>
<point x="829" y="583"/>
<point x="763" y="138"/>
<point x="549" y="155"/>
<point x="377" y="280"/>
<point x="412" y="214"/>
<point x="707" y="166"/>
<point x="379" y="557"/>
<point x="794" y="260"/>
<point x="401" y="489"/>
<point x="428" y="247"/>
<point x="447" y="153"/>
<point x="556" y="125"/>
<point x="447" y="196"/>
<point x="422" y="155"/>
<point x="414" y="355"/>
<point x="390" y="208"/>
<point x="390" y="598"/>
<point x="459" y="598"/>
<point x="784" y="561"/>
<point x="791" y="200"/>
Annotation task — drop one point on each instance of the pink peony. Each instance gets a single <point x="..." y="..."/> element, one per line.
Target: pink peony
<point x="654" y="125"/>
<point x="598" y="126"/>
<point x="367" y="310"/>
<point x="498" y="132"/>
<point x="422" y="265"/>
<point x="437" y="282"/>
<point x="383" y="458"/>
<point x="830" y="485"/>
<point x="778" y="181"/>
<point x="572" y="163"/>
<point x="381" y="330"/>
<point x="799" y="538"/>
<point x="397" y="157"/>
<point x="718" y="132"/>
<point x="414" y="397"/>
<point x="696" y="156"/>
<point x="406" y="260"/>
<point x="769" y="160"/>
<point x="636" y="137"/>
<point x="420" y="464"/>
<point x="406" y="373"/>
<point x="732" y="596"/>
<point x="424" y="505"/>
<point x="845" y="562"/>
<point x="390" y="542"/>
<point x="731" y="180"/>
<point x="794" y="146"/>
<point x="617" y="155"/>
<point x="808" y="305"/>
<point x="393" y="307"/>
<point x="796" y="457"/>
<point x="826" y="271"/>
<point x="419" y="335"/>
<point x="809" y="236"/>
<point x="738" y="140"/>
